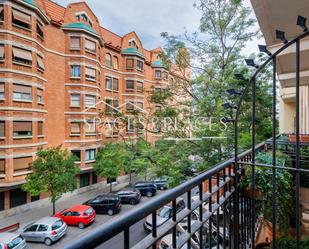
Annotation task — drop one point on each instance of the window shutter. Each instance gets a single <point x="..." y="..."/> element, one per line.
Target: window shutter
<point x="90" y="45"/>
<point x="90" y="127"/>
<point x="21" y="88"/>
<point x="22" y="163"/>
<point x="22" y="126"/>
<point x="18" y="15"/>
<point x="22" y="53"/>
<point x="1" y="51"/>
<point x="2" y="166"/>
<point x="75" y="128"/>
<point x="40" y="62"/>
<point x="40" y="128"/>
<point x="1" y="87"/>
<point x="2" y="129"/>
<point x="75" y="42"/>
<point x="39" y="92"/>
<point x="91" y="72"/>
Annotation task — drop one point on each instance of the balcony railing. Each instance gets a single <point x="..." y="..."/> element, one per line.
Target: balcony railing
<point x="215" y="217"/>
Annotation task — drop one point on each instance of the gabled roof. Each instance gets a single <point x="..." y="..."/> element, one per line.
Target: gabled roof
<point x="111" y="38"/>
<point x="54" y="11"/>
<point x="80" y="25"/>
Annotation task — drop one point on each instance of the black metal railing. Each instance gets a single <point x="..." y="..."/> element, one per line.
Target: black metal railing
<point x="208" y="219"/>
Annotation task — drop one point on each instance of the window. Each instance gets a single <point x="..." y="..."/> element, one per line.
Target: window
<point x="40" y="63"/>
<point x="140" y="106"/>
<point x="108" y="60"/>
<point x="75" y="128"/>
<point x="1" y="52"/>
<point x="43" y="228"/>
<point x="157" y="90"/>
<point x="21" y="19"/>
<point x="22" y="163"/>
<point x="22" y="93"/>
<point x="139" y="86"/>
<point x="90" y="154"/>
<point x="84" y="181"/>
<point x="2" y="91"/>
<point x="75" y="71"/>
<point x="108" y="105"/>
<point x="75" y="100"/>
<point x="158" y="108"/>
<point x="129" y="84"/>
<point x="39" y="29"/>
<point x="108" y="84"/>
<point x="132" y="43"/>
<point x="76" y="153"/>
<point x="157" y="74"/>
<point x="39" y="96"/>
<point x="74" y="42"/>
<point x="22" y="56"/>
<point x="115" y="62"/>
<point x="40" y="128"/>
<point x="2" y="171"/>
<point x="90" y="73"/>
<point x="90" y="101"/>
<point x="22" y="128"/>
<point x="90" y="127"/>
<point x="129" y="63"/>
<point x="2" y="129"/>
<point x="165" y="75"/>
<point x="32" y="228"/>
<point x="90" y="46"/>
<point x="116" y="103"/>
<point x="115" y="84"/>
<point x="129" y="106"/>
<point x="1" y="13"/>
<point x="140" y="65"/>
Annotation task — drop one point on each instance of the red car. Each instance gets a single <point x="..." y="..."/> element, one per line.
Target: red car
<point x="80" y="215"/>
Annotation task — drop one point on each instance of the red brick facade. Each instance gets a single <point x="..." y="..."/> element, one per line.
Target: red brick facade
<point x="55" y="62"/>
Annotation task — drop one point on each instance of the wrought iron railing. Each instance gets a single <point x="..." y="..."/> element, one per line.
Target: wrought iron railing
<point x="209" y="219"/>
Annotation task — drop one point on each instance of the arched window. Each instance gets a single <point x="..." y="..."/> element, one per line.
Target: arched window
<point x="115" y="62"/>
<point x="108" y="60"/>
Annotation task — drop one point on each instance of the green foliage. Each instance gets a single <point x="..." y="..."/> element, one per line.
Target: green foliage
<point x="263" y="183"/>
<point x="110" y="160"/>
<point x="54" y="171"/>
<point x="287" y="242"/>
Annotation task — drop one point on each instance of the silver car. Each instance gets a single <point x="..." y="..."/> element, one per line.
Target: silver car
<point x="47" y="230"/>
<point x="12" y="240"/>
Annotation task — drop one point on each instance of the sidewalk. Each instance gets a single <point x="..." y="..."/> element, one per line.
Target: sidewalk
<point x="65" y="202"/>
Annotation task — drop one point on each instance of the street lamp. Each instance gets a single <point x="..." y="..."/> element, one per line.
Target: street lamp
<point x="239" y="76"/>
<point x="229" y="106"/>
<point x="251" y="63"/>
<point x="263" y="49"/>
<point x="227" y="120"/>
<point x="301" y="21"/>
<point x="280" y="35"/>
<point x="234" y="92"/>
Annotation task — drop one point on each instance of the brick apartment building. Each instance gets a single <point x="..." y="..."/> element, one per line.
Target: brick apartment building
<point x="56" y="63"/>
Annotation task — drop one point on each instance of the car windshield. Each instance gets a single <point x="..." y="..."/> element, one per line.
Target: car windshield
<point x="1" y="246"/>
<point x="15" y="242"/>
<point x="57" y="224"/>
<point x="164" y="212"/>
<point x="88" y="211"/>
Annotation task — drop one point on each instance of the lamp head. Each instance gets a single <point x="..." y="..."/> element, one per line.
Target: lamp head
<point x="301" y="21"/>
<point x="281" y="36"/>
<point x="263" y="49"/>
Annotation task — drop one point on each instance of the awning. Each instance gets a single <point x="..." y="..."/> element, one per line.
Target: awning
<point x="23" y="17"/>
<point x="91" y="72"/>
<point x="21" y="88"/>
<point x="22" y="54"/>
<point x="90" y="45"/>
<point x="40" y="63"/>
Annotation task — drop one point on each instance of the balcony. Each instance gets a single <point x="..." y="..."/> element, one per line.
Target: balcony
<point x="219" y="212"/>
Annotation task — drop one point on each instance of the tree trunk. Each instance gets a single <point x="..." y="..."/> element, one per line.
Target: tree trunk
<point x="110" y="186"/>
<point x="54" y="207"/>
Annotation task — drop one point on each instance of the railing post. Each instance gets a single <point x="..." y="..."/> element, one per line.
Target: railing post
<point x="236" y="195"/>
<point x="253" y="217"/>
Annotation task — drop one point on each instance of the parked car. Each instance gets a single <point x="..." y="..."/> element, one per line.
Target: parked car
<point x="105" y="204"/>
<point x="129" y="195"/>
<point x="164" y="214"/>
<point x="148" y="189"/>
<point x="47" y="230"/>
<point x="80" y="215"/>
<point x="12" y="240"/>
<point x="160" y="183"/>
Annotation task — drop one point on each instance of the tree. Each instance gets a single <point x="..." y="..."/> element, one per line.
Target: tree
<point x="54" y="171"/>
<point x="110" y="161"/>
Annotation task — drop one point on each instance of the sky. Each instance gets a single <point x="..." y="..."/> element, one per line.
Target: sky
<point x="148" y="18"/>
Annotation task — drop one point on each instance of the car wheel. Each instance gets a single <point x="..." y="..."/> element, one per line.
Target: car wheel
<point x="81" y="225"/>
<point x="149" y="194"/>
<point x="48" y="241"/>
<point x="110" y="212"/>
<point x="132" y="202"/>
